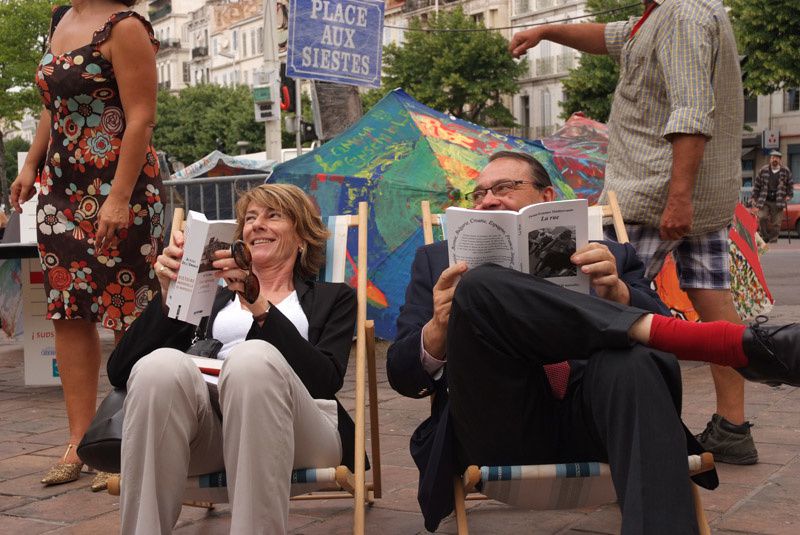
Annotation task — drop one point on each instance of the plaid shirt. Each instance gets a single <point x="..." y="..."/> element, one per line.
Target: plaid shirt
<point x="761" y="187"/>
<point x="678" y="75"/>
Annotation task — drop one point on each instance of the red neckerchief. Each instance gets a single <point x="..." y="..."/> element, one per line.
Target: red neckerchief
<point x="649" y="9"/>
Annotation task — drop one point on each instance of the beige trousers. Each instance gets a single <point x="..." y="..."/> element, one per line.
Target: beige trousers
<point x="270" y="425"/>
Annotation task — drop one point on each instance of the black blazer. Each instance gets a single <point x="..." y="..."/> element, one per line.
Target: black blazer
<point x="320" y="361"/>
<point x="431" y="443"/>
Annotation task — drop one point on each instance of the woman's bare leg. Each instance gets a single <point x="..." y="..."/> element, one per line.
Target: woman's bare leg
<point x="78" y="357"/>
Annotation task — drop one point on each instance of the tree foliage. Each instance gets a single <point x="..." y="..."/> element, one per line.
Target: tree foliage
<point x="206" y="117"/>
<point x="12" y="146"/>
<point x="766" y="34"/>
<point x="462" y="73"/>
<point x="24" y="25"/>
<point x="589" y="88"/>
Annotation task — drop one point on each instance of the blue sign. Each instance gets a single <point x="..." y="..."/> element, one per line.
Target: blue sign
<point x="336" y="41"/>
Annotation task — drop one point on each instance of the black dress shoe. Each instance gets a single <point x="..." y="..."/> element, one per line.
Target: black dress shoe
<point x="773" y="352"/>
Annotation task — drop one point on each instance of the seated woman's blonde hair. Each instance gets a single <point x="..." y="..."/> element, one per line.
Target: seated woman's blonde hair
<point x="293" y="203"/>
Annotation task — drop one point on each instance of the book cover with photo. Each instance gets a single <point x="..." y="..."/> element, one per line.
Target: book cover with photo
<point x="191" y="297"/>
<point x="539" y="239"/>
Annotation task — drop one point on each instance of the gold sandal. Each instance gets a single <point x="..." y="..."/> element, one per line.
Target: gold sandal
<point x="100" y="481"/>
<point x="63" y="472"/>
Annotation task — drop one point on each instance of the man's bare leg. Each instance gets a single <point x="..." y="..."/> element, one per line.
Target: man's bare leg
<point x="712" y="305"/>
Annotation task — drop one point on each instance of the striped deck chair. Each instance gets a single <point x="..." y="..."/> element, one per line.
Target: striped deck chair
<point x="552" y="486"/>
<point x="319" y="483"/>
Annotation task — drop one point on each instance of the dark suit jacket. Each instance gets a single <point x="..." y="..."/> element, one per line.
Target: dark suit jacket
<point x="431" y="443"/>
<point x="320" y="362"/>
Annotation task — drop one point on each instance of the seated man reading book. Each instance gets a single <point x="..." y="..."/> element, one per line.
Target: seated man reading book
<point x="285" y="350"/>
<point x="488" y="341"/>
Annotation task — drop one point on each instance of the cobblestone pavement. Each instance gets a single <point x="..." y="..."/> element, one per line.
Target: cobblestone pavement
<point x="761" y="499"/>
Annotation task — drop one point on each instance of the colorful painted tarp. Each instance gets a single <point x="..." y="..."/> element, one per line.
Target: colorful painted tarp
<point x="400" y="153"/>
<point x="580" y="154"/>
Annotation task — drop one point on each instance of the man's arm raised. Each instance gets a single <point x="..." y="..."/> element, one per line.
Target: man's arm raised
<point x="587" y="37"/>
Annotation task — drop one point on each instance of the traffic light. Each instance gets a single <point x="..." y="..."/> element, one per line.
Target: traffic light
<point x="287" y="92"/>
<point x="307" y="132"/>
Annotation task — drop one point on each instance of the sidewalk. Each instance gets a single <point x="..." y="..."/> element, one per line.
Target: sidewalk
<point x="759" y="499"/>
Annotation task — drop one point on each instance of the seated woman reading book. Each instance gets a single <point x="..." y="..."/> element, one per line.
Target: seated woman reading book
<point x="285" y="356"/>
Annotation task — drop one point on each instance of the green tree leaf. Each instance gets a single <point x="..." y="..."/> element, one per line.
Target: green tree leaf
<point x="24" y="26"/>
<point x="461" y="73"/>
<point x="589" y="87"/>
<point x="206" y="117"/>
<point x="767" y="36"/>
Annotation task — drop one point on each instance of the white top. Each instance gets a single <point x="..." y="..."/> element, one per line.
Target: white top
<point x="233" y="322"/>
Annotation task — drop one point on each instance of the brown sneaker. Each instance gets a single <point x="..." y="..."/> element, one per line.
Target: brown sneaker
<point x="731" y="444"/>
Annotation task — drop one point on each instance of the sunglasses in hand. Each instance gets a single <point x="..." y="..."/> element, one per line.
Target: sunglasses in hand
<point x="241" y="255"/>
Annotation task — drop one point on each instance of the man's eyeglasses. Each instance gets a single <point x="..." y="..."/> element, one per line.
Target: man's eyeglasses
<point x="501" y="189"/>
<point x="243" y="258"/>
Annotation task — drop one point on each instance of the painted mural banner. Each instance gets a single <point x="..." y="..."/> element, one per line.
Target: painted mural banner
<point x="336" y="41"/>
<point x="399" y="154"/>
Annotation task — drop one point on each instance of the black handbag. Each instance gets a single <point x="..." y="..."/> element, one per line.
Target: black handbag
<point x="202" y="345"/>
<point x="100" y="446"/>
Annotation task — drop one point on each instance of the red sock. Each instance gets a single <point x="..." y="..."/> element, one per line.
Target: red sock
<point x="718" y="342"/>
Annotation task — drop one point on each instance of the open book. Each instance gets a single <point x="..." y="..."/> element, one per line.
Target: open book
<point x="210" y="368"/>
<point x="191" y="297"/>
<point x="539" y="239"/>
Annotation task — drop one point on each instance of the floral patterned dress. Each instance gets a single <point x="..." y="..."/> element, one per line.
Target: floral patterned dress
<point x="80" y="91"/>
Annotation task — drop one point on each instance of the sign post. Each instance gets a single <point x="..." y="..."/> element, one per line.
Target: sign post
<point x="338" y="41"/>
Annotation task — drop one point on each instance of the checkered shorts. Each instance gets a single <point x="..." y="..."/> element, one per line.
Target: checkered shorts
<point x="701" y="261"/>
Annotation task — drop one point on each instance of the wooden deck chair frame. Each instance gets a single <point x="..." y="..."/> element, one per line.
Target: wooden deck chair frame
<point x="347" y="484"/>
<point x="466" y="486"/>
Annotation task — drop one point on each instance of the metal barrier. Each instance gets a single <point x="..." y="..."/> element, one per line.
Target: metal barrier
<point x="215" y="197"/>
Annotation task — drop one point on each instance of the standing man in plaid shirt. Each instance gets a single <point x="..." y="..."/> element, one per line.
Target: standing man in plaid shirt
<point x="772" y="187"/>
<point x="674" y="161"/>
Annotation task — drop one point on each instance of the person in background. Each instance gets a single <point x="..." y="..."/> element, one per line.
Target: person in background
<point x="772" y="188"/>
<point x="99" y="213"/>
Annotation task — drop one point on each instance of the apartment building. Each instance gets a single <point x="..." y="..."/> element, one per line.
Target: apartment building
<point x="169" y="19"/>
<point x="537" y="106"/>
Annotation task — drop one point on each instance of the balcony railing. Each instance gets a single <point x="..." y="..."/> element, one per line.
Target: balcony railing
<point x="565" y="62"/>
<point x="544" y="66"/>
<point x="551" y="65"/>
<point x="169" y="43"/>
<point x="522" y="7"/>
<point x="199" y="52"/>
<point x="161" y="12"/>
<point x="416" y="5"/>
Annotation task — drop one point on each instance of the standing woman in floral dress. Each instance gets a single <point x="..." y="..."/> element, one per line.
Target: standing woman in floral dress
<point x="99" y="213"/>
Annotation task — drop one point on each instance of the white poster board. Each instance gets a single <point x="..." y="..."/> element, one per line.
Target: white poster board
<point x="27" y="219"/>
<point x="39" y="338"/>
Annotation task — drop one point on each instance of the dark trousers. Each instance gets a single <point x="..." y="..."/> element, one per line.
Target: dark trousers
<point x="622" y="405"/>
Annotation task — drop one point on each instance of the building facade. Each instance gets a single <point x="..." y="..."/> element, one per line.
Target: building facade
<point x="537" y="106"/>
<point x="169" y="19"/>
